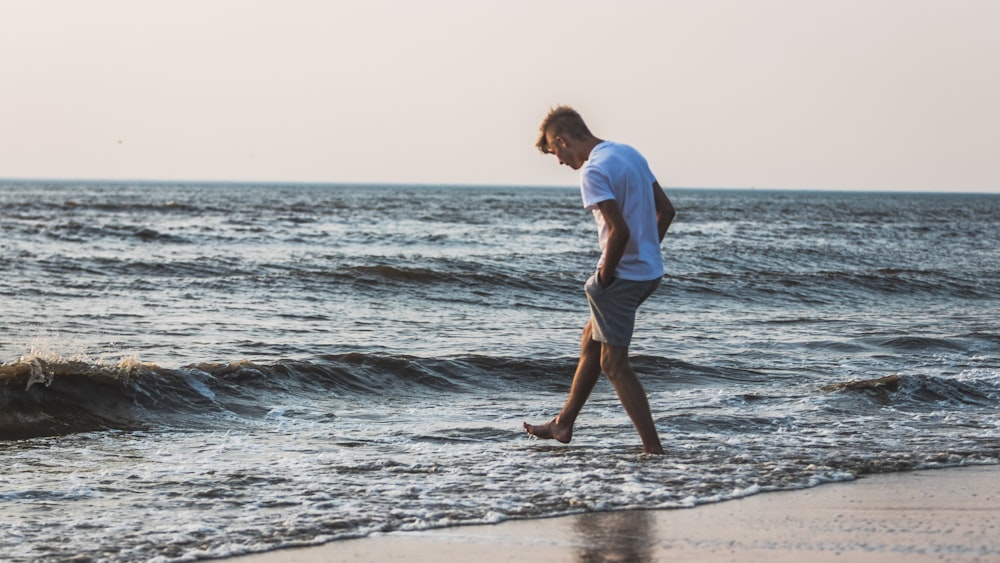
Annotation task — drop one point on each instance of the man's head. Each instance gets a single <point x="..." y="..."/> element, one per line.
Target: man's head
<point x="564" y="134"/>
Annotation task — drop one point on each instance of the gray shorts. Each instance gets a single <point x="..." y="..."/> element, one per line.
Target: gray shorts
<point x="612" y="309"/>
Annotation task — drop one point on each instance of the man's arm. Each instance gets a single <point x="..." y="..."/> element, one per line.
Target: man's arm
<point x="618" y="235"/>
<point x="664" y="210"/>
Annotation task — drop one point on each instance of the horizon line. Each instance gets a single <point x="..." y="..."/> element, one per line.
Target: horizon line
<point x="368" y="184"/>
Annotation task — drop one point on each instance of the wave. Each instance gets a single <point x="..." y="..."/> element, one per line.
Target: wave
<point x="49" y="395"/>
<point x="319" y="275"/>
<point x="88" y="232"/>
<point x="834" y="286"/>
<point x="44" y="394"/>
<point x="915" y="392"/>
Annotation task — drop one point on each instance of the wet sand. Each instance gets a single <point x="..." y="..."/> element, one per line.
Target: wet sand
<point x="930" y="515"/>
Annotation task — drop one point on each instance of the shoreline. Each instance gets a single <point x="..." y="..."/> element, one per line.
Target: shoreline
<point x="948" y="514"/>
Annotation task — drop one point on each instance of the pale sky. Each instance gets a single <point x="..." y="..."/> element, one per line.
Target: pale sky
<point x="845" y="94"/>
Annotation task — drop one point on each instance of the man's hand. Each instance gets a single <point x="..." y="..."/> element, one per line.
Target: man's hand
<point x="604" y="279"/>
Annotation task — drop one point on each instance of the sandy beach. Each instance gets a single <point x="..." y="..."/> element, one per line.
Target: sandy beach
<point x="930" y="515"/>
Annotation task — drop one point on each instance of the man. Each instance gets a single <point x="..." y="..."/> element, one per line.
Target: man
<point x="633" y="214"/>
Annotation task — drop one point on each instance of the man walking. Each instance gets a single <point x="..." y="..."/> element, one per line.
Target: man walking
<point x="633" y="214"/>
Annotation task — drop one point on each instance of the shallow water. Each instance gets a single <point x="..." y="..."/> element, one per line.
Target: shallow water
<point x="204" y="370"/>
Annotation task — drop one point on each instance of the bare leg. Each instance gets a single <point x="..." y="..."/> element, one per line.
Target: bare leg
<point x="588" y="370"/>
<point x="614" y="362"/>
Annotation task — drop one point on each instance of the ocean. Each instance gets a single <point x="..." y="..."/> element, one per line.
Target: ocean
<point x="195" y="370"/>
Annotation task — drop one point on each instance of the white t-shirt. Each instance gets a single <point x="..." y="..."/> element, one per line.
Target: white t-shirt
<point x="616" y="171"/>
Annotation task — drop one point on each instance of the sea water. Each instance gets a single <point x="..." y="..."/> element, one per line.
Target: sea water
<point x="203" y="370"/>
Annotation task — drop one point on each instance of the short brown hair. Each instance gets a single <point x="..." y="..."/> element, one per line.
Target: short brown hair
<point x="561" y="121"/>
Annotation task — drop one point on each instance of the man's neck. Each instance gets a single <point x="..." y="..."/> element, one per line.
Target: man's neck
<point x="588" y="146"/>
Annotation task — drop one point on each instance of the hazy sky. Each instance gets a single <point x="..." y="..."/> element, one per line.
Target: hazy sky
<point x="846" y="94"/>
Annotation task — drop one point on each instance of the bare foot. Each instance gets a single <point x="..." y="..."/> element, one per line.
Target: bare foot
<point x="550" y="430"/>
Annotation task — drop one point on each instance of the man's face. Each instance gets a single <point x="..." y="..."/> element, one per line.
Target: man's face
<point x="563" y="147"/>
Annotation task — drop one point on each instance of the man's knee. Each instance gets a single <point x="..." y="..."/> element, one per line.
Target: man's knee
<point x="614" y="360"/>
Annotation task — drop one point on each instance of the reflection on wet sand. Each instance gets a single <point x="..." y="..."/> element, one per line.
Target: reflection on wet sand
<point x="615" y="536"/>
